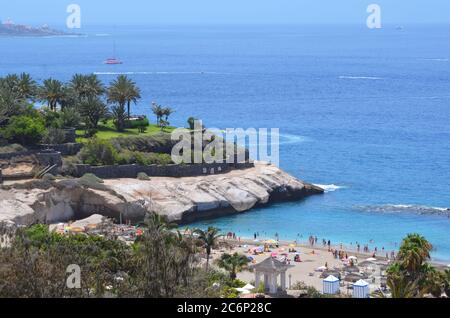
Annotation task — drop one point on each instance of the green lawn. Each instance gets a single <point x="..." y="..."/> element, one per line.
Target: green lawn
<point x="108" y="131"/>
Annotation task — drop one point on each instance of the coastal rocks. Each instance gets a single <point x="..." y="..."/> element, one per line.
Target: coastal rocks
<point x="17" y="212"/>
<point x="180" y="200"/>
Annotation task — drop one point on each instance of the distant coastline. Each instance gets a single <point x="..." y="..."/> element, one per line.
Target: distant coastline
<point x="8" y="28"/>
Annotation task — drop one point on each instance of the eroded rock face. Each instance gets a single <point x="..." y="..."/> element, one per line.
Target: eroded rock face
<point x="180" y="200"/>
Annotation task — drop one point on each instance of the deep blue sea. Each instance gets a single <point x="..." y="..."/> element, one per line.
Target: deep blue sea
<point x="365" y="112"/>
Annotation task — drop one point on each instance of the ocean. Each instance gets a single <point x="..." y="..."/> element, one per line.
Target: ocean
<point x="365" y="113"/>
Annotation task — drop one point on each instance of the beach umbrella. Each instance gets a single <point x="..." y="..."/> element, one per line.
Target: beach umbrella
<point x="365" y="264"/>
<point x="271" y="241"/>
<point x="448" y="265"/>
<point x="352" y="269"/>
<point x="274" y="254"/>
<point x="353" y="257"/>
<point x="371" y="259"/>
<point x="291" y="245"/>
<point x="334" y="273"/>
<point x="321" y="268"/>
<point x="249" y="287"/>
<point x="353" y="277"/>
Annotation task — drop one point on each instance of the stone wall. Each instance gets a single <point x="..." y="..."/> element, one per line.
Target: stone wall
<point x="69" y="149"/>
<point x="49" y="158"/>
<point x="9" y="155"/>
<point x="176" y="171"/>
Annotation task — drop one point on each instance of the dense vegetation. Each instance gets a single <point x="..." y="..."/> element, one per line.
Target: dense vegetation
<point x="161" y="263"/>
<point x="412" y="276"/>
<point x="84" y="103"/>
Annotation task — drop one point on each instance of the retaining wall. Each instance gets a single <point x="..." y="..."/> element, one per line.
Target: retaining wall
<point x="176" y="171"/>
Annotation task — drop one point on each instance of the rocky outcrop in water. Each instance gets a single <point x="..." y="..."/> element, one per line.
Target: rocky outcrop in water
<point x="180" y="200"/>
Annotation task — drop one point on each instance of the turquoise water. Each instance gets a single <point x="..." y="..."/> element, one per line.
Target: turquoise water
<point x="367" y="111"/>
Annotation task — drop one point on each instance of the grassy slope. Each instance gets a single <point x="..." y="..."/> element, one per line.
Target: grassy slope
<point x="108" y="131"/>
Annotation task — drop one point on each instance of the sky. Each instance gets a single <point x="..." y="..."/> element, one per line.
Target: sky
<point x="129" y="12"/>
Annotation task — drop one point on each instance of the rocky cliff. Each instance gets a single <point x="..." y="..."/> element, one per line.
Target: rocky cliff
<point x="180" y="200"/>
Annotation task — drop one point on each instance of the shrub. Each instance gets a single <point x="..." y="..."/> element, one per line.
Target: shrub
<point x="69" y="117"/>
<point x="160" y="143"/>
<point x="98" y="152"/>
<point x="54" y="136"/>
<point x="51" y="118"/>
<point x="48" y="177"/>
<point x="119" y="115"/>
<point x="143" y="158"/>
<point x="12" y="148"/>
<point x="91" y="178"/>
<point x="143" y="176"/>
<point x="137" y="123"/>
<point x="229" y="292"/>
<point x="69" y="165"/>
<point x="24" y="130"/>
<point x="236" y="283"/>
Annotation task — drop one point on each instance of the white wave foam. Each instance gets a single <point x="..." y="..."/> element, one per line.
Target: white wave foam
<point x="292" y="139"/>
<point x="438" y="60"/>
<point x="285" y="139"/>
<point x="329" y="187"/>
<point x="153" y="73"/>
<point x="360" y="77"/>
<point x="419" y="209"/>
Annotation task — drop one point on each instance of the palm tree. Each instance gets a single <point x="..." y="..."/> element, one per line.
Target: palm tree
<point x="414" y="251"/>
<point x="11" y="103"/>
<point x="433" y="281"/>
<point x="209" y="240"/>
<point x="121" y="92"/>
<point x="93" y="110"/>
<point x="233" y="263"/>
<point x="26" y="86"/>
<point x="447" y="282"/>
<point x="158" y="222"/>
<point x="401" y="288"/>
<point x="52" y="92"/>
<point x="117" y="94"/>
<point x="87" y="86"/>
<point x="78" y="85"/>
<point x="166" y="112"/>
<point x="158" y="111"/>
<point x="133" y="94"/>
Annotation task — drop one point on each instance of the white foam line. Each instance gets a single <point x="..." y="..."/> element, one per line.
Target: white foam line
<point x="360" y="77"/>
<point x="329" y="187"/>
<point x="154" y="73"/>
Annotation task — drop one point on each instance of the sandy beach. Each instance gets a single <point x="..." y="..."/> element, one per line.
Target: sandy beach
<point x="312" y="258"/>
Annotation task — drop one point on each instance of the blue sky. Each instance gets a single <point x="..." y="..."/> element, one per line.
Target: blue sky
<point x="117" y="12"/>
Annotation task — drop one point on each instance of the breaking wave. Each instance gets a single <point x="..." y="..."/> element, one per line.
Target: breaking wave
<point x="154" y="73"/>
<point x="438" y="60"/>
<point x="361" y="77"/>
<point x="410" y="208"/>
<point x="329" y="187"/>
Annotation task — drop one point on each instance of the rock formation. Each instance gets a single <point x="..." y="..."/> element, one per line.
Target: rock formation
<point x="180" y="200"/>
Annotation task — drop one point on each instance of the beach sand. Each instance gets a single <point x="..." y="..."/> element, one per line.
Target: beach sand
<point x="304" y="271"/>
